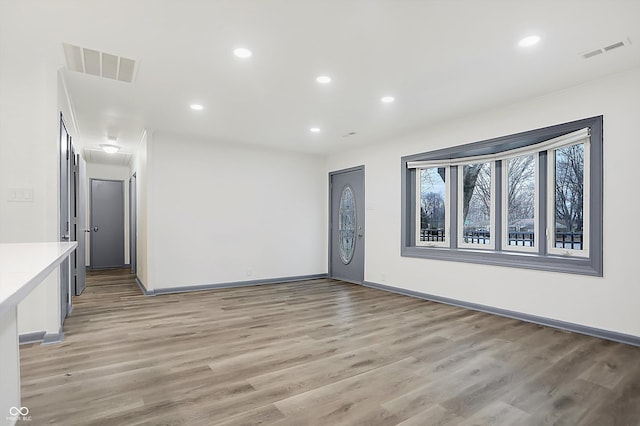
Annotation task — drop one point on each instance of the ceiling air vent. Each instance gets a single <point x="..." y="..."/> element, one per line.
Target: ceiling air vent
<point x="97" y="63"/>
<point x="609" y="48"/>
<point x="592" y="53"/>
<point x="614" y="46"/>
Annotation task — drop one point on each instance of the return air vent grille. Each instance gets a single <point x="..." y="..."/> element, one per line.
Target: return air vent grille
<point x="592" y="53"/>
<point x="605" y="49"/>
<point x="614" y="46"/>
<point x="100" y="64"/>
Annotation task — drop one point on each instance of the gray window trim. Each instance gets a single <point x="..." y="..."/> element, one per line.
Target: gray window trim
<point x="592" y="265"/>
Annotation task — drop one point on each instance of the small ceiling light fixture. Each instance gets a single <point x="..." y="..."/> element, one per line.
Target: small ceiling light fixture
<point x="109" y="149"/>
<point x="314" y="129"/>
<point x="323" y="79"/>
<point x="387" y="99"/>
<point x="242" y="52"/>
<point x="529" y="41"/>
<point x="196" y="107"/>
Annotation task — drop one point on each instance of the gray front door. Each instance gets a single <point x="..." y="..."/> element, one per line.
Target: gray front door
<point x="107" y="223"/>
<point x="346" y="254"/>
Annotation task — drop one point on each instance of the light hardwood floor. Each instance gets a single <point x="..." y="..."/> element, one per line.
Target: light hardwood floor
<point x="317" y="352"/>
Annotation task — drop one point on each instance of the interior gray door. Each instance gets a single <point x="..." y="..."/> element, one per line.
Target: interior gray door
<point x="107" y="223"/>
<point x="133" y="224"/>
<point x="65" y="232"/>
<point x="78" y="220"/>
<point x="347" y="226"/>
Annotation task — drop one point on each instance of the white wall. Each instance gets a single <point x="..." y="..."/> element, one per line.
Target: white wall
<point x="610" y="303"/>
<point x="40" y="310"/>
<point x="28" y="159"/>
<point x="222" y="212"/>
<point x="109" y="172"/>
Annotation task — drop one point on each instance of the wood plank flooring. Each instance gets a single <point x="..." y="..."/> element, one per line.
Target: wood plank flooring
<point x="320" y="352"/>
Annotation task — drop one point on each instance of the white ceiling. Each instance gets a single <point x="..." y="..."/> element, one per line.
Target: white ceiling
<point x="440" y="59"/>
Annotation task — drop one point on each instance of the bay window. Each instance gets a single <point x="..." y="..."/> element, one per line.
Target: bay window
<point x="531" y="200"/>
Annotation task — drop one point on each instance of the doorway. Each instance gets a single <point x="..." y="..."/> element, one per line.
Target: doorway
<point x="347" y="225"/>
<point x="133" y="232"/>
<point x="107" y="223"/>
<point x="66" y="170"/>
<point x="72" y="220"/>
<point x="78" y="225"/>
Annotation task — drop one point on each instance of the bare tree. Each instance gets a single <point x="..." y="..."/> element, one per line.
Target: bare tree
<point x="432" y="203"/>
<point x="432" y="211"/>
<point x="569" y="187"/>
<point x="476" y="187"/>
<point x="469" y="181"/>
<point x="521" y="191"/>
<point x="521" y="188"/>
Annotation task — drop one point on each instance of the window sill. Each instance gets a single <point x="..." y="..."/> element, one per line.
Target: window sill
<point x="552" y="263"/>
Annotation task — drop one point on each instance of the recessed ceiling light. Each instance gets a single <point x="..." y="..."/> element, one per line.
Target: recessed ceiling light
<point x="324" y="79"/>
<point x="529" y="41"/>
<point x="109" y="149"/>
<point x="387" y="99"/>
<point x="242" y="52"/>
<point x="314" y="129"/>
<point x="196" y="107"/>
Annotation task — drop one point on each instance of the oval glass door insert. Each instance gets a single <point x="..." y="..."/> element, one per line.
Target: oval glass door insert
<point x="347" y="225"/>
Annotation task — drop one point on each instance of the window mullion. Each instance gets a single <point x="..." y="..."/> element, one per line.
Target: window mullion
<point x="453" y="206"/>
<point x="497" y="204"/>
<point x="411" y="198"/>
<point x="543" y="208"/>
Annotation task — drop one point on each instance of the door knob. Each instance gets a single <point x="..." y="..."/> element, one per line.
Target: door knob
<point x="95" y="229"/>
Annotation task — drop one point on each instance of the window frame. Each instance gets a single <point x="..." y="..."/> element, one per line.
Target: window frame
<point x="536" y="207"/>
<point x="492" y="208"/>
<point x="551" y="248"/>
<point x="499" y="148"/>
<point x="447" y="207"/>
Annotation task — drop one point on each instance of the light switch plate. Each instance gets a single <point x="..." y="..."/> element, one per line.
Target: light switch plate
<point x="20" y="195"/>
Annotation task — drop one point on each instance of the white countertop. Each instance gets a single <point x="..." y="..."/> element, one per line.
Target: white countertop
<point x="24" y="265"/>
